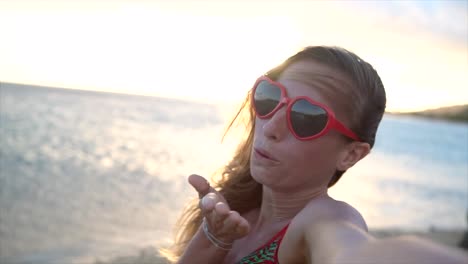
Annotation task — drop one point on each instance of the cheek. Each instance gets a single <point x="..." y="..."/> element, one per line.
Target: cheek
<point x="313" y="161"/>
<point x="257" y="127"/>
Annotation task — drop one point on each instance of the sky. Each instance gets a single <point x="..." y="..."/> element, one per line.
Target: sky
<point x="212" y="51"/>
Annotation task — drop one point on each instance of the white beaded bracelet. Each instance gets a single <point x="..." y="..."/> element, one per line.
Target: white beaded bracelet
<point x="215" y="241"/>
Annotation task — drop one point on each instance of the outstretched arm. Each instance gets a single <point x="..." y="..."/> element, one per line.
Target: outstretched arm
<point x="342" y="242"/>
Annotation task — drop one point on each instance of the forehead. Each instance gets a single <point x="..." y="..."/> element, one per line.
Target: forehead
<point x="315" y="80"/>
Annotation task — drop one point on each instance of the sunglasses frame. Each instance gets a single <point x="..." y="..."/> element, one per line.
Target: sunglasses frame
<point x="332" y="122"/>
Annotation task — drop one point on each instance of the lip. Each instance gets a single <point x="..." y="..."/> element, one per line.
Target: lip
<point x="261" y="153"/>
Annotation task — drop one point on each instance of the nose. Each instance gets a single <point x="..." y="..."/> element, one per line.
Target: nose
<point x="276" y="127"/>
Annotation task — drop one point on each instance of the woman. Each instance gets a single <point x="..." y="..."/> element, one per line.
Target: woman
<point x="311" y="118"/>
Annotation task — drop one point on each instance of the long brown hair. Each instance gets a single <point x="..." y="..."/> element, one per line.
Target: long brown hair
<point x="235" y="182"/>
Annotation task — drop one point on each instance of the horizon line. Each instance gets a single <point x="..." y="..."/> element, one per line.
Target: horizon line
<point x="188" y="99"/>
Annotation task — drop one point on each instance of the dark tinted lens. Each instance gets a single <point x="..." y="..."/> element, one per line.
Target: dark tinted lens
<point x="266" y="97"/>
<point x="307" y="119"/>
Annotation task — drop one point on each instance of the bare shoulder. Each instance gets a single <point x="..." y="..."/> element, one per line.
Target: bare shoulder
<point x="318" y="219"/>
<point x="327" y="209"/>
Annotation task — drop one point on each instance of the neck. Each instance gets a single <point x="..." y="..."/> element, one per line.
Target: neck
<point x="280" y="207"/>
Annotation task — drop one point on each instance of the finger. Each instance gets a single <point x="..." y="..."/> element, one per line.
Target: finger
<point x="221" y="212"/>
<point x="208" y="203"/>
<point x="243" y="228"/>
<point x="230" y="223"/>
<point x="200" y="184"/>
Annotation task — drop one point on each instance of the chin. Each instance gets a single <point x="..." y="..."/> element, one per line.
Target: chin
<point x="263" y="175"/>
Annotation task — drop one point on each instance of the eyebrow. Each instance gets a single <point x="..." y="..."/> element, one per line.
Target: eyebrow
<point x="326" y="83"/>
<point x="329" y="86"/>
<point x="302" y="74"/>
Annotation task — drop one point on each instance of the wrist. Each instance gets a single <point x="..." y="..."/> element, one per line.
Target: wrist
<point x="201" y="250"/>
<point x="218" y="243"/>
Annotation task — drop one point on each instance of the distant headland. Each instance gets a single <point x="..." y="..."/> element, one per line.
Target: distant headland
<point x="458" y="113"/>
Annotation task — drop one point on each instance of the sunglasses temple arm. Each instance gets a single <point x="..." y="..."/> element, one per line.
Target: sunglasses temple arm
<point x="344" y="130"/>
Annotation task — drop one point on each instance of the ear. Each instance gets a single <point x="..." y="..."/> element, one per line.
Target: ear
<point x="351" y="154"/>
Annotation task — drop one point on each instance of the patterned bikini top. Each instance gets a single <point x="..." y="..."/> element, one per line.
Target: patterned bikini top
<point x="268" y="253"/>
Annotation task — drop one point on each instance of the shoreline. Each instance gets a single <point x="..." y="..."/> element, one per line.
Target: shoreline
<point x="446" y="237"/>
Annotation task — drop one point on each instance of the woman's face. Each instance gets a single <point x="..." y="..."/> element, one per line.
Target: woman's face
<point x="281" y="161"/>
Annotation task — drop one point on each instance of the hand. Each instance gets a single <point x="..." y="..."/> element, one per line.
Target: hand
<point x="223" y="223"/>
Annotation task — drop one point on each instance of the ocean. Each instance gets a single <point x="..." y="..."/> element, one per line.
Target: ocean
<point x="88" y="176"/>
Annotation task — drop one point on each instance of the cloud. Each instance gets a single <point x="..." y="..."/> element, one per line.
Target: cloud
<point x="446" y="19"/>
